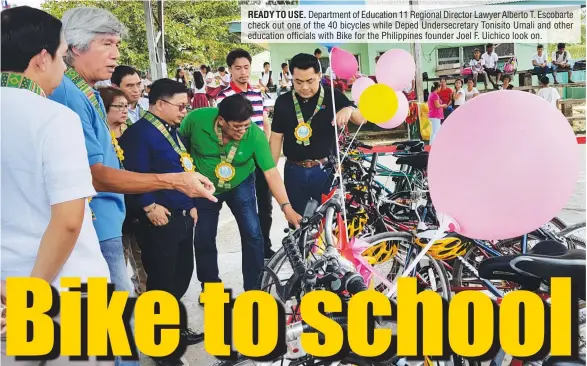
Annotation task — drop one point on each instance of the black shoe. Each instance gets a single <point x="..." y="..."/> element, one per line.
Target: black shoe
<point x="269" y="253"/>
<point x="192" y="337"/>
<point x="169" y="361"/>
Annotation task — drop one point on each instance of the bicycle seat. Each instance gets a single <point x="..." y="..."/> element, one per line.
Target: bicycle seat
<point x="546" y="260"/>
<point x="553" y="361"/>
<point x="545" y="267"/>
<point x="409" y="143"/>
<point x="417" y="160"/>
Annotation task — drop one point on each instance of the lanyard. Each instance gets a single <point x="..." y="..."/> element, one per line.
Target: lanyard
<point x="17" y="81"/>
<point x="141" y="115"/>
<point x="299" y="114"/>
<point x="89" y="93"/>
<point x="178" y="147"/>
<point x="226" y="159"/>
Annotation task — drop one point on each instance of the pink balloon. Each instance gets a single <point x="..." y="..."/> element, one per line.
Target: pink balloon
<point x="359" y="86"/>
<point x="396" y="68"/>
<point x="403" y="108"/>
<point x="344" y="63"/>
<point x="503" y="164"/>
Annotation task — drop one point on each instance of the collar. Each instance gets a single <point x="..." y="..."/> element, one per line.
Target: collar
<point x="168" y="127"/>
<point x="236" y="89"/>
<point x="304" y="100"/>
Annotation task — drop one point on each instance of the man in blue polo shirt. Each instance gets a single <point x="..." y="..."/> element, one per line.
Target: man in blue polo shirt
<point x="166" y="217"/>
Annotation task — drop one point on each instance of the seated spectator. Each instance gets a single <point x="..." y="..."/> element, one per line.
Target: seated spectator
<point x="547" y="92"/>
<point x="490" y="60"/>
<point x="540" y="62"/>
<point x="459" y="95"/>
<point x="266" y="80"/>
<point x="471" y="92"/>
<point x="477" y="64"/>
<point x="561" y="60"/>
<point x="506" y="83"/>
<point x="445" y="93"/>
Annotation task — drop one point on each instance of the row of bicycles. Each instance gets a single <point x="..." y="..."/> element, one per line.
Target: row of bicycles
<point x="376" y="225"/>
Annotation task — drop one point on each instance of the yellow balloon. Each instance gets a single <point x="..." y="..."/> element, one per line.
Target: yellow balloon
<point x="378" y="103"/>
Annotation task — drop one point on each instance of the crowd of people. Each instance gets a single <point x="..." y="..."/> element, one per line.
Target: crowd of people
<point x="98" y="178"/>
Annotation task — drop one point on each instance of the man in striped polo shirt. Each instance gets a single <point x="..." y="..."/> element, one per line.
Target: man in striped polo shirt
<point x="239" y="65"/>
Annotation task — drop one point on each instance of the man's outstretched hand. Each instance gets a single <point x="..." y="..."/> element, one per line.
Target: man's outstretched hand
<point x="196" y="185"/>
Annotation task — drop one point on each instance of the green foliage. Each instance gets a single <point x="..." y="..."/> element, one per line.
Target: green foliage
<point x="196" y="32"/>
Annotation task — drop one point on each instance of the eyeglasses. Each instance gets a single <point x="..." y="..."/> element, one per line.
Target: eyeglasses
<point x="240" y="128"/>
<point x="182" y="107"/>
<point x="120" y="107"/>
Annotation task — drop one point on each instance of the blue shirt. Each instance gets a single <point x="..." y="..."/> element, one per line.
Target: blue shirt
<point x="108" y="207"/>
<point x="146" y="150"/>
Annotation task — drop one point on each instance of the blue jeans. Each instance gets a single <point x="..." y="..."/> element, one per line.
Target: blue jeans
<point x="541" y="71"/>
<point x="113" y="252"/>
<point x="242" y="202"/>
<point x="302" y="184"/>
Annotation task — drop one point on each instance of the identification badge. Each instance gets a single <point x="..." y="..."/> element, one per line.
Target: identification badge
<point x="187" y="163"/>
<point x="224" y="172"/>
<point x="303" y="132"/>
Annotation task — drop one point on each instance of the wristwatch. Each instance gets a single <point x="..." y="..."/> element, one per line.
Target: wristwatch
<point x="282" y="206"/>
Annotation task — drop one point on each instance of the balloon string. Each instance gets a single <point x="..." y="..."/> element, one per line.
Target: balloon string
<point x="443" y="228"/>
<point x="338" y="161"/>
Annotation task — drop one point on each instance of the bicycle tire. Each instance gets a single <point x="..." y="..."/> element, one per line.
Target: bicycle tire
<point x="569" y="233"/>
<point x="351" y="359"/>
<point x="557" y="222"/>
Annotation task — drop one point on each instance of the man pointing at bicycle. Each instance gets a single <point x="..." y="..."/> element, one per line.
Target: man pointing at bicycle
<point x="225" y="146"/>
<point x="303" y="125"/>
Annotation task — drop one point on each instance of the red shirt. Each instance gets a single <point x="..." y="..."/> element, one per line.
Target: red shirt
<point x="445" y="95"/>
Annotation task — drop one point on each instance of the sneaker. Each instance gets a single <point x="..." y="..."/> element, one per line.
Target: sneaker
<point x="571" y="82"/>
<point x="171" y="361"/>
<point x="192" y="337"/>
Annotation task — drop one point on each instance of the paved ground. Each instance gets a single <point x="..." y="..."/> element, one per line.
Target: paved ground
<point x="230" y="257"/>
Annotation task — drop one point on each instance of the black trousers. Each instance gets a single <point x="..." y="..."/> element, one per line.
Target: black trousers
<point x="264" y="206"/>
<point x="168" y="254"/>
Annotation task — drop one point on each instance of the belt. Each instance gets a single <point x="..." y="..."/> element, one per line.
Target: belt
<point x="179" y="213"/>
<point x="309" y="163"/>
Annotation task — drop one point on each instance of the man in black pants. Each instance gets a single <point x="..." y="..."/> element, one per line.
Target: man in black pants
<point x="239" y="64"/>
<point x="152" y="145"/>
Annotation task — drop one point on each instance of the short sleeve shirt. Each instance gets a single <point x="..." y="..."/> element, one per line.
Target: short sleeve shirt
<point x="445" y="95"/>
<point x="252" y="94"/>
<point x="43" y="163"/>
<point x="434" y="112"/>
<point x="490" y="60"/>
<point x="322" y="141"/>
<point x="108" y="207"/>
<point x="540" y="59"/>
<point x="198" y="127"/>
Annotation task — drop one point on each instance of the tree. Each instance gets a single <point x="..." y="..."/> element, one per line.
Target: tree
<point x="196" y="32"/>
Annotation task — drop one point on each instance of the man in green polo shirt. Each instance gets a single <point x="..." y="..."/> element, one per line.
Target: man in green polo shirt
<point x="225" y="149"/>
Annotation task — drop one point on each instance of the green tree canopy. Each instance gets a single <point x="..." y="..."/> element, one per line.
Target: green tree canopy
<point x="196" y="32"/>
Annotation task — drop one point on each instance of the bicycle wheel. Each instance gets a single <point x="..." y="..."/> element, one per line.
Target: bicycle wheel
<point x="429" y="272"/>
<point x="575" y="235"/>
<point x="350" y="360"/>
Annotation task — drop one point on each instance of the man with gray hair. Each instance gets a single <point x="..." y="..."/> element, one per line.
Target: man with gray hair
<point x="93" y="37"/>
